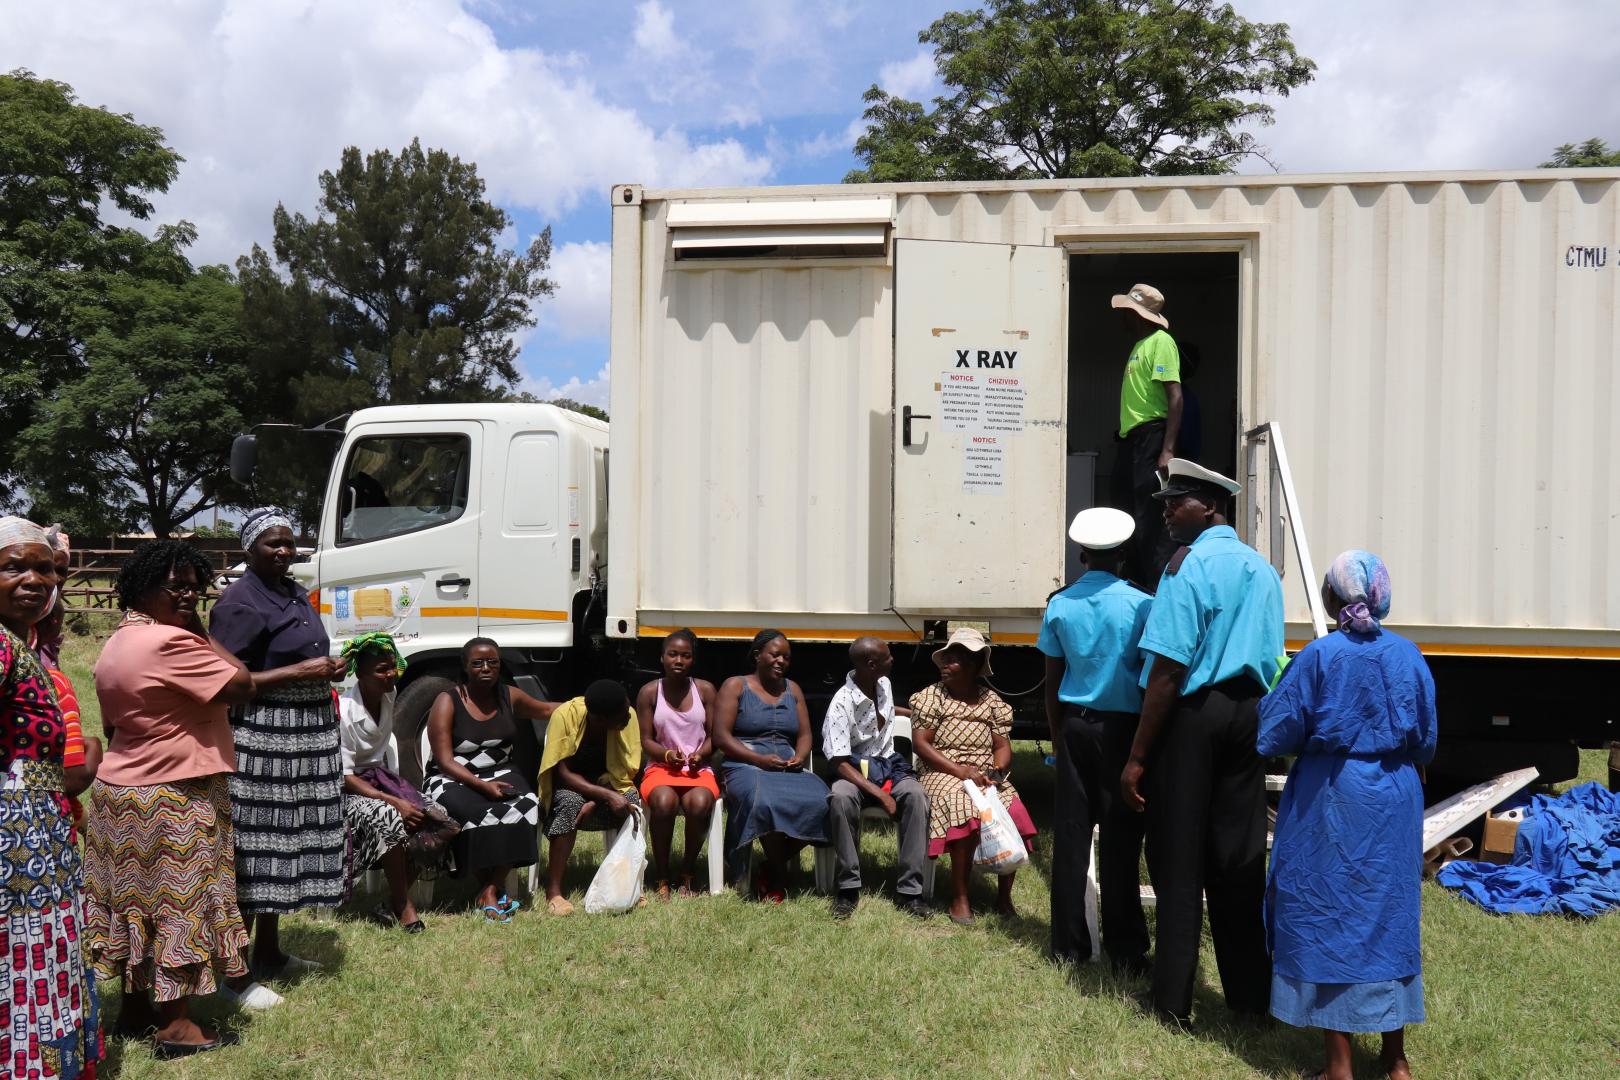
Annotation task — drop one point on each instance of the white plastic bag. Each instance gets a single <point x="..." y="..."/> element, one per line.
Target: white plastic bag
<point x="1001" y="849"/>
<point x="616" y="888"/>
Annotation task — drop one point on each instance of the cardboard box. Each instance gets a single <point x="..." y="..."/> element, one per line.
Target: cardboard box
<point x="1500" y="833"/>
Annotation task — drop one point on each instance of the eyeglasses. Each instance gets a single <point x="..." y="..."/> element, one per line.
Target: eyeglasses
<point x="177" y="591"/>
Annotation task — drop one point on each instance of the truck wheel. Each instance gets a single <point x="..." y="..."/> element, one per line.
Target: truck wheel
<point x="410" y="717"/>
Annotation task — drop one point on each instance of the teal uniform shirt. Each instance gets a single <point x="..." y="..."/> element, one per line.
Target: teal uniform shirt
<point x="1220" y="614"/>
<point x="1095" y="626"/>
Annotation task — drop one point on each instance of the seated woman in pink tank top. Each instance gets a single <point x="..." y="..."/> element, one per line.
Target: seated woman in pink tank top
<point x="677" y="744"/>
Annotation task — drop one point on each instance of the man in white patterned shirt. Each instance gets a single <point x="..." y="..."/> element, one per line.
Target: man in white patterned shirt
<point x="857" y="738"/>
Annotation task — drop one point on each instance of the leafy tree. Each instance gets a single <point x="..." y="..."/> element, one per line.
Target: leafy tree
<point x="60" y="163"/>
<point x="1070" y="88"/>
<point x="144" y="432"/>
<point x="1591" y="154"/>
<point x="562" y="403"/>
<point x="225" y="530"/>
<point x="397" y="292"/>
<point x="580" y="407"/>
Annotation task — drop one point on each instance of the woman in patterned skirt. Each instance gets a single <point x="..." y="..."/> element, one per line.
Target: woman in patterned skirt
<point x="48" y="1024"/>
<point x="959" y="728"/>
<point x="161" y="906"/>
<point x="286" y="793"/>
<point x="476" y="740"/>
<point x="390" y="823"/>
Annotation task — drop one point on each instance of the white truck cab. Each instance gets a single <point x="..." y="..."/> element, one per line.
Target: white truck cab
<point x="442" y="523"/>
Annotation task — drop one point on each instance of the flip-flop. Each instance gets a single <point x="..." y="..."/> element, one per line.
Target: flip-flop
<point x="492" y="913"/>
<point x="508" y="906"/>
<point x="413" y="927"/>
<point x="962" y="920"/>
<point x="168" y="1051"/>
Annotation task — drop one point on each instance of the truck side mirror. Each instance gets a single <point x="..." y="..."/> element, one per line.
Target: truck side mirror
<point x="244" y="457"/>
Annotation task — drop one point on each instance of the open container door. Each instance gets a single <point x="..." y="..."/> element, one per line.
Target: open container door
<point x="980" y="366"/>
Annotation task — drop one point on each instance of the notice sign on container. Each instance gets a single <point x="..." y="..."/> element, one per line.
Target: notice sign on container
<point x="961" y="401"/>
<point x="981" y="402"/>
<point x="983" y="465"/>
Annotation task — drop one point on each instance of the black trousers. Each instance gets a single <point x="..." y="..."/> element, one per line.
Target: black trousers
<point x="1091" y="751"/>
<point x="1135" y="479"/>
<point x="1206" y="836"/>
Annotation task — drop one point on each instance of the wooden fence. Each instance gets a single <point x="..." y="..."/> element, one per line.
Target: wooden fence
<point x="93" y="569"/>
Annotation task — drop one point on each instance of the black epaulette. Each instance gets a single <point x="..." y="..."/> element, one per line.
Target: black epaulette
<point x="1176" y="560"/>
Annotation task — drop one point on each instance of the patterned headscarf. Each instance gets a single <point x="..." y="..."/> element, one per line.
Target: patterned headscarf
<point x="376" y="640"/>
<point x="16" y="530"/>
<point x="260" y="520"/>
<point x="1361" y="580"/>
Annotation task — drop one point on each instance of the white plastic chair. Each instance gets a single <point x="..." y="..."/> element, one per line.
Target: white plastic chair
<point x="827" y="861"/>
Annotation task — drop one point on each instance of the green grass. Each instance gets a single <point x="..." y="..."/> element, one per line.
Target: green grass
<point x="717" y="987"/>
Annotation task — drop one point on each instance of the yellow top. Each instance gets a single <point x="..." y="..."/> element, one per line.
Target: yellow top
<point x="563" y="735"/>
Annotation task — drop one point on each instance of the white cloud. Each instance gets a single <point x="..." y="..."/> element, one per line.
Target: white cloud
<point x="655" y="29"/>
<point x="592" y="391"/>
<point x="1412" y="86"/>
<point x="910" y="79"/>
<point x="579" y="309"/>
<point x="261" y="97"/>
<point x="739" y="114"/>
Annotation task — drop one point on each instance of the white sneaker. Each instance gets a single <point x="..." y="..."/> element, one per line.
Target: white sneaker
<point x="256" y="996"/>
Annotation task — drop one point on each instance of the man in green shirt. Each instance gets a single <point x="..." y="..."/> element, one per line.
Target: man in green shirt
<point x="1150" y="406"/>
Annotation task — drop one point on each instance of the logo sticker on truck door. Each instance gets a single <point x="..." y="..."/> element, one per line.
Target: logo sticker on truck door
<point x="390" y="606"/>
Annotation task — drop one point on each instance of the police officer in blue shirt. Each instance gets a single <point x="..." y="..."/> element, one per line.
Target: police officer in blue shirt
<point x="1211" y="644"/>
<point x="1090" y="636"/>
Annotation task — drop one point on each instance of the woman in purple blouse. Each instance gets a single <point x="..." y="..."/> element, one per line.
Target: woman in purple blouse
<point x="286" y="794"/>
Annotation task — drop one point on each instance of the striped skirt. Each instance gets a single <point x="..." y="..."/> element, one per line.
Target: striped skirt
<point x="161" y="898"/>
<point x="287" y="802"/>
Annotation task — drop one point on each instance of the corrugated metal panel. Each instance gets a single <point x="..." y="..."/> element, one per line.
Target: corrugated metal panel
<point x="766" y="448"/>
<point x="1440" y="350"/>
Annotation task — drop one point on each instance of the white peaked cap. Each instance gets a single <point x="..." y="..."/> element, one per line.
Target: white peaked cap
<point x="1186" y="477"/>
<point x="1101" y="528"/>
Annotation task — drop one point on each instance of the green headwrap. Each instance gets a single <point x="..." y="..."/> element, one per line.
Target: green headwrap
<point x="379" y="639"/>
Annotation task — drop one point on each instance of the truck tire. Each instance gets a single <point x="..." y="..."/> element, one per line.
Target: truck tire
<point x="410" y="717"/>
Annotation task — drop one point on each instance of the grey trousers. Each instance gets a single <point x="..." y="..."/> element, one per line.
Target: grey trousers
<point x="844" y="823"/>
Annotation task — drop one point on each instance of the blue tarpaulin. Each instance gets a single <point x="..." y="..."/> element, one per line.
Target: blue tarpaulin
<point x="1566" y="859"/>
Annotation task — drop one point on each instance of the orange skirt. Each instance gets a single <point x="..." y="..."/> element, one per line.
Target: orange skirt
<point x="661" y="775"/>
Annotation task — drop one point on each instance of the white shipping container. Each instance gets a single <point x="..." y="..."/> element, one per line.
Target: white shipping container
<point x="1439" y="350"/>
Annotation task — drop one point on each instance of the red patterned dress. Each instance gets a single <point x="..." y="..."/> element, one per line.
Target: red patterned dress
<point x="48" y="1025"/>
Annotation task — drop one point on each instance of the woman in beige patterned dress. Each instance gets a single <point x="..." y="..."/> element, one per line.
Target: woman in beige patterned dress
<point x="959" y="728"/>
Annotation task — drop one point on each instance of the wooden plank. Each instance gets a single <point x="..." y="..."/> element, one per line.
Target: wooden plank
<point x="1442" y="820"/>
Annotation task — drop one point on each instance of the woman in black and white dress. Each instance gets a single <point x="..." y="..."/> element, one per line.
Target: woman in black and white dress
<point x="478" y="743"/>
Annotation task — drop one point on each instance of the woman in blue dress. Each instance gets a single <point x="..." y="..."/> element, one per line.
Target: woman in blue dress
<point x="762" y="726"/>
<point x="1343" y="902"/>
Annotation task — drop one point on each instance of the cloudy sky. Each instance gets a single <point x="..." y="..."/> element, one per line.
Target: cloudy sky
<point x="556" y="100"/>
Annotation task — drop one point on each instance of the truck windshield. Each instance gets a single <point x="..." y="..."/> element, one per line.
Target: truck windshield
<point x="395" y="484"/>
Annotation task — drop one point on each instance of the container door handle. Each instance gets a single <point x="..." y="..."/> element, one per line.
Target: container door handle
<point x="449" y="582"/>
<point x="906" y="417"/>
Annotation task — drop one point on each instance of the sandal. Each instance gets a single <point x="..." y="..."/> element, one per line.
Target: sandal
<point x="493" y="913"/>
<point x="661" y="890"/>
<point x="686" y="889"/>
<point x="413" y="927"/>
<point x="508" y="906"/>
<point x="559" y="905"/>
<point x="170" y="1051"/>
